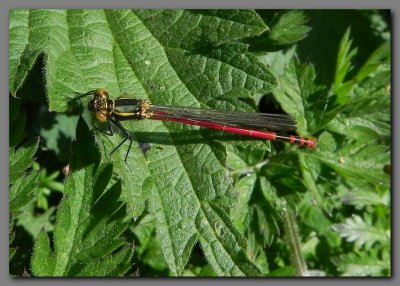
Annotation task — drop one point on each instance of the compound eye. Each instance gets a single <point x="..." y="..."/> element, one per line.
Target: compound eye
<point x="92" y="105"/>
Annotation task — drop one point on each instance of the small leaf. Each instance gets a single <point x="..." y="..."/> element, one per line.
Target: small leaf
<point x="11" y="236"/>
<point x="367" y="115"/>
<point x="362" y="264"/>
<point x="289" y="27"/>
<point x="355" y="229"/>
<point x="21" y="159"/>
<point x="343" y="64"/>
<point x="295" y="91"/>
<point x="60" y="134"/>
<point x="113" y="265"/>
<point x="34" y="223"/>
<point x="22" y="191"/>
<point x="379" y="56"/>
<point x="43" y="261"/>
<point x="362" y="198"/>
<point x="359" y="162"/>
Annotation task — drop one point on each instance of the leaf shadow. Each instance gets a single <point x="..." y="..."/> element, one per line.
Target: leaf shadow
<point x="189" y="137"/>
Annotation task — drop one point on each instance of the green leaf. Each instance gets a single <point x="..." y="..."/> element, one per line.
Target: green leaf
<point x="362" y="264"/>
<point x="294" y="93"/>
<point x="34" y="223"/>
<point x="202" y="27"/>
<point x="22" y="53"/>
<point x="379" y="56"/>
<point x="11" y="236"/>
<point x="43" y="261"/>
<point x="147" y="247"/>
<point x="293" y="241"/>
<point x="22" y="191"/>
<point x="287" y="271"/>
<point x="87" y="230"/>
<point x="359" y="161"/>
<point x="343" y="65"/>
<point x="113" y="265"/>
<point x="67" y="57"/>
<point x="21" y="159"/>
<point x="60" y="134"/>
<point x="367" y="115"/>
<point x="355" y="229"/>
<point x="222" y="244"/>
<point x="365" y="197"/>
<point x="310" y="168"/>
<point x="289" y="27"/>
<point x="173" y="57"/>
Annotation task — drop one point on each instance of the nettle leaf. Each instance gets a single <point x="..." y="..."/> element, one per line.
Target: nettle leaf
<point x="87" y="234"/>
<point x="171" y="57"/>
<point x="361" y="232"/>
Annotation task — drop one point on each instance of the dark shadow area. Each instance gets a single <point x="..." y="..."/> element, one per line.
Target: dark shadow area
<point x="321" y="45"/>
<point x="20" y="263"/>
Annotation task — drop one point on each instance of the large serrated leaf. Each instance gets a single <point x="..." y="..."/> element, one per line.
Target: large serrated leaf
<point x="172" y="57"/>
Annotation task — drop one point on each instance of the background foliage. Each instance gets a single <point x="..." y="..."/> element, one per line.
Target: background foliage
<point x="195" y="202"/>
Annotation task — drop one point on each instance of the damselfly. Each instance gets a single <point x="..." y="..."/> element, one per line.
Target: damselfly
<point x="244" y="123"/>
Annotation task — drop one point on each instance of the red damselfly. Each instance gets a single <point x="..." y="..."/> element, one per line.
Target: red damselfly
<point x="244" y="123"/>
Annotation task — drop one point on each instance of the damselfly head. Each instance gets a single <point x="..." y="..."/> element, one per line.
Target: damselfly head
<point x="101" y="93"/>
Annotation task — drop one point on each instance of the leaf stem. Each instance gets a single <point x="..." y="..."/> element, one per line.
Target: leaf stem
<point x="293" y="241"/>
